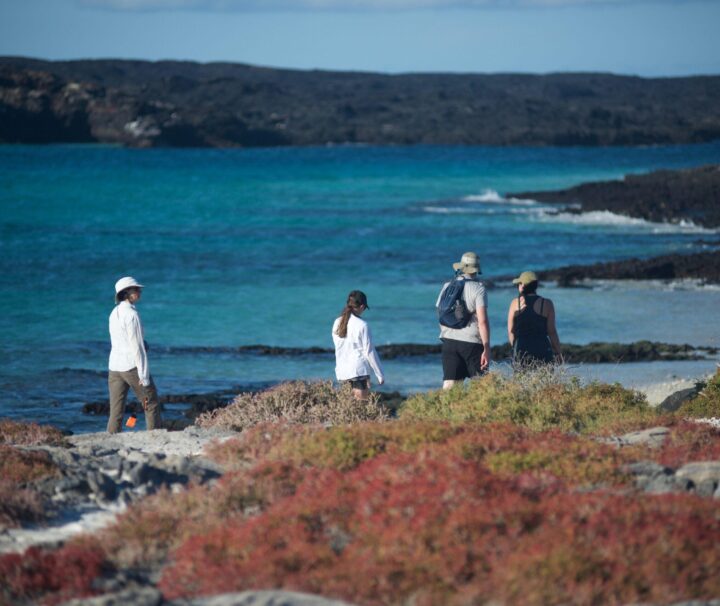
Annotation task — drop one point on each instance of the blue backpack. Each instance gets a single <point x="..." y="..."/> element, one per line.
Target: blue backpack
<point x="452" y="311"/>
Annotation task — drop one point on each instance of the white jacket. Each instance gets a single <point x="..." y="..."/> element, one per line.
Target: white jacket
<point x="127" y="343"/>
<point x="355" y="355"/>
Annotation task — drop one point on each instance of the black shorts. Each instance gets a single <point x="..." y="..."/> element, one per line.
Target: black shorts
<point x="461" y="360"/>
<point x="359" y="382"/>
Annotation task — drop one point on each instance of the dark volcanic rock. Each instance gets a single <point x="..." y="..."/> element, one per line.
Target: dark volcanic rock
<point x="172" y="103"/>
<point x="675" y="400"/>
<point x="662" y="196"/>
<point x="704" y="266"/>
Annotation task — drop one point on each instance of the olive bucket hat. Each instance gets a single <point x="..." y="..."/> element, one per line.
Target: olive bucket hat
<point x="469" y="264"/>
<point x="526" y="278"/>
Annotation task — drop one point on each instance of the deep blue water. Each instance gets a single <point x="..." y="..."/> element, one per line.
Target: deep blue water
<point x="239" y="247"/>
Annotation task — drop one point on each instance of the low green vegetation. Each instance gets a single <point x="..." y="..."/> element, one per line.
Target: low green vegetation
<point x="537" y="400"/>
<point x="706" y="404"/>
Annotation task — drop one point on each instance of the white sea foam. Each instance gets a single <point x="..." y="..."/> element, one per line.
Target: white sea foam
<point x="607" y="218"/>
<point x="490" y="196"/>
<point x="483" y="204"/>
<point x="458" y="210"/>
<point x="678" y="285"/>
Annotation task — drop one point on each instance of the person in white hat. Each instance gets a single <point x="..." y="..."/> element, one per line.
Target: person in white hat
<point x="128" y="364"/>
<point x="466" y="348"/>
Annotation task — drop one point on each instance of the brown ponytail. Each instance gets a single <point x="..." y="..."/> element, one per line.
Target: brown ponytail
<point x="356" y="299"/>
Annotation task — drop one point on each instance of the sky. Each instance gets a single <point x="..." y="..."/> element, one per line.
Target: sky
<point x="641" y="37"/>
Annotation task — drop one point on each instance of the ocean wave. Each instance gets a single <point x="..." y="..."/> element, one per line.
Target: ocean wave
<point x="490" y="196"/>
<point x="490" y="202"/>
<point x="607" y="218"/>
<point x="458" y="210"/>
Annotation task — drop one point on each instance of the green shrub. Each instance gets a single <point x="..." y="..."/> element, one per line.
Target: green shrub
<point x="295" y="402"/>
<point x="707" y="403"/>
<point x="538" y="400"/>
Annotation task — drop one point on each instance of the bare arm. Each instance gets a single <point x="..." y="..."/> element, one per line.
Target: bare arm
<point x="511" y="320"/>
<point x="552" y="329"/>
<point x="484" y="330"/>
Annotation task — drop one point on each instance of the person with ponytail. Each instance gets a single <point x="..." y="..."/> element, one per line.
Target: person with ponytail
<point x="355" y="353"/>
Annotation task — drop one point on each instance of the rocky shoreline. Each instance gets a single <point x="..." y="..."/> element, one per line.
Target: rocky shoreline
<point x="596" y="353"/>
<point x="690" y="196"/>
<point x="703" y="267"/>
<point x="664" y="196"/>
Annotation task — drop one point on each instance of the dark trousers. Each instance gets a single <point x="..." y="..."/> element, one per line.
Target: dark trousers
<point x="461" y="360"/>
<point x="119" y="383"/>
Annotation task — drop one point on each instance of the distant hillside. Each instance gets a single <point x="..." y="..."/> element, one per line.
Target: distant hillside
<point x="142" y="103"/>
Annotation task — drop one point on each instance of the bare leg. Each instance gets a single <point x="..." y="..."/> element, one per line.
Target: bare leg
<point x="362" y="394"/>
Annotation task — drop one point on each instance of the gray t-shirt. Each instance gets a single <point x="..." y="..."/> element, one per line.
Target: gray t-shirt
<point x="475" y="296"/>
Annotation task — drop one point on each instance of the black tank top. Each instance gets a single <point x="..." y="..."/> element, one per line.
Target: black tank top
<point x="532" y="343"/>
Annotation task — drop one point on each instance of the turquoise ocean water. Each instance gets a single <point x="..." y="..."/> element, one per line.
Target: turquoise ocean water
<point x="240" y="247"/>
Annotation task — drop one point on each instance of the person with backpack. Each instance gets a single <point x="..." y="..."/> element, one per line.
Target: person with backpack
<point x="464" y="325"/>
<point x="355" y="353"/>
<point x="531" y="326"/>
<point x="128" y="364"/>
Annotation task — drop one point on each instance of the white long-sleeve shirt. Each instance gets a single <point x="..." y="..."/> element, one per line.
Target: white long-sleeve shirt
<point x="127" y="342"/>
<point x="355" y="354"/>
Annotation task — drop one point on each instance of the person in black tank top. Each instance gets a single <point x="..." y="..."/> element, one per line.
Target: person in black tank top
<point x="531" y="325"/>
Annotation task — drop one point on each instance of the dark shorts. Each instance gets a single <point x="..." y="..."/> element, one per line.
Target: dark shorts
<point x="359" y="382"/>
<point x="461" y="360"/>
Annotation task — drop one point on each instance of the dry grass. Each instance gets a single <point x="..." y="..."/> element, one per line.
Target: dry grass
<point x="25" y="466"/>
<point x="19" y="502"/>
<point x="30" y="434"/>
<point x="296" y="402"/>
<point x="18" y="505"/>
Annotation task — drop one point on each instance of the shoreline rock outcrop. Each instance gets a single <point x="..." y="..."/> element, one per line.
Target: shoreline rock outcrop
<point x="703" y="266"/>
<point x="663" y="196"/>
<point x="101" y="474"/>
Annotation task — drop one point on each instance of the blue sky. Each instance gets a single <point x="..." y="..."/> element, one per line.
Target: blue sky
<point x="643" y="37"/>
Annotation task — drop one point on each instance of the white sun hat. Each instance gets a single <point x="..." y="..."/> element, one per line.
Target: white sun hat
<point x="124" y="284"/>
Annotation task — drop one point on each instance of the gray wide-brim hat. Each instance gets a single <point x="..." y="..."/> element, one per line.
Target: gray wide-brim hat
<point x="469" y="264"/>
<point x="124" y="284"/>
